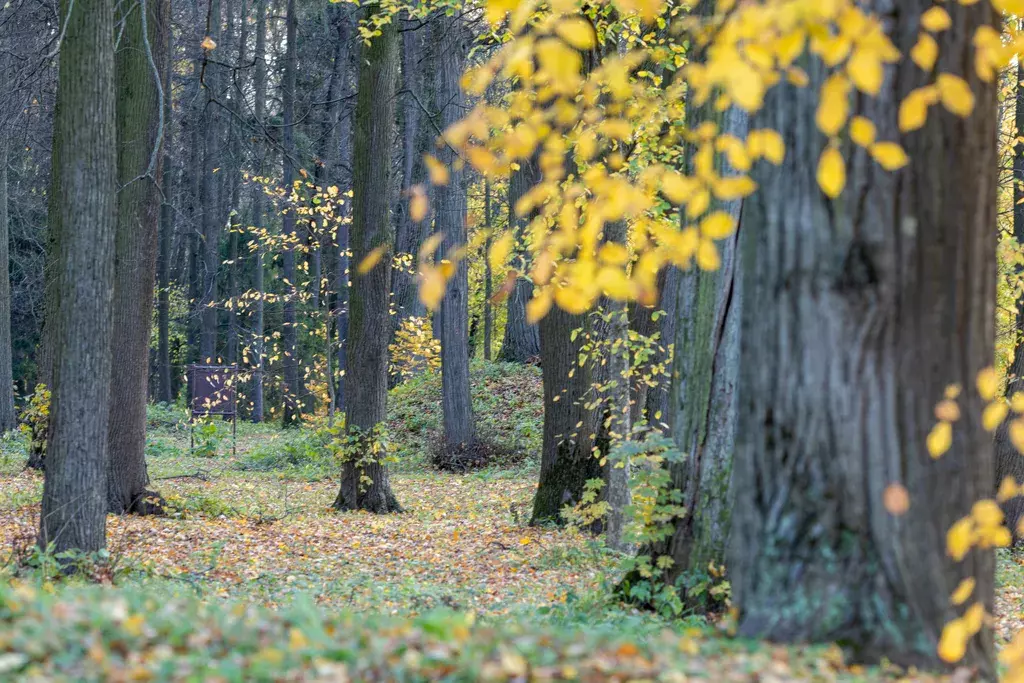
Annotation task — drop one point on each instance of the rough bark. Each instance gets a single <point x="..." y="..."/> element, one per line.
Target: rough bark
<point x="8" y="419"/>
<point x="259" y="214"/>
<point x="1009" y="462"/>
<point x="213" y="220"/>
<point x="450" y="221"/>
<point x="567" y="455"/>
<point x="488" y="276"/>
<point x="522" y="338"/>
<point x="165" y="389"/>
<point x="364" y="483"/>
<point x="74" y="506"/>
<point x="293" y="398"/>
<point x="139" y="130"/>
<point x="859" y="313"/>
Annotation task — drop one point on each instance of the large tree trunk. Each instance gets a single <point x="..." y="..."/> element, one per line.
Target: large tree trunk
<point x="364" y="483"/>
<point x="8" y="420"/>
<point x="567" y="455"/>
<point x="860" y="312"/>
<point x="293" y="398"/>
<point x="138" y="213"/>
<point x="522" y="338"/>
<point x="74" y="508"/>
<point x="450" y="221"/>
<point x="488" y="275"/>
<point x="1009" y="462"/>
<point x="165" y="390"/>
<point x="209" y="190"/>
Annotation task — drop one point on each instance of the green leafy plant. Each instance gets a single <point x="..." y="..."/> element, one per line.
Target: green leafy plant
<point x="35" y="418"/>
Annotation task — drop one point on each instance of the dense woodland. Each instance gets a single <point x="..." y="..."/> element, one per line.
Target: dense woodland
<point x="625" y="340"/>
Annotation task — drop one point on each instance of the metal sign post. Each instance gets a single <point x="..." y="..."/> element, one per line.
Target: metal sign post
<point x="214" y="392"/>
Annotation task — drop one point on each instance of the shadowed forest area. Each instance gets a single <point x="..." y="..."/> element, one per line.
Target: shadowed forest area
<point x="625" y="340"/>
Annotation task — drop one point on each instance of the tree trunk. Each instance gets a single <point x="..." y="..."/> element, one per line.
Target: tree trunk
<point x="165" y="390"/>
<point x="522" y="338"/>
<point x="860" y="312"/>
<point x="259" y="213"/>
<point x="341" y="277"/>
<point x="364" y="483"/>
<point x="293" y="398"/>
<point x="209" y="191"/>
<point x="488" y="275"/>
<point x="138" y="214"/>
<point x="450" y="221"/>
<point x="74" y="507"/>
<point x="8" y="419"/>
<point x="1009" y="462"/>
<point x="567" y="455"/>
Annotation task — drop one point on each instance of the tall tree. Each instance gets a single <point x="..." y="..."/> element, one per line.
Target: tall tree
<point x="209" y="189"/>
<point x="8" y="420"/>
<point x="488" y="275"/>
<point x="365" y="483"/>
<point x="522" y="338"/>
<point x="293" y="398"/>
<point x="259" y="80"/>
<point x="138" y="63"/>
<point x="1009" y="462"/>
<point x="859" y="313"/>
<point x="450" y="221"/>
<point x="165" y="389"/>
<point x="84" y="185"/>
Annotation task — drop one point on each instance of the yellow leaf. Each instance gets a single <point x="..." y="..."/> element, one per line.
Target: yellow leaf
<point x="500" y="250"/>
<point x="438" y="172"/>
<point x="896" y="499"/>
<point x="834" y="105"/>
<point x="936" y="19"/>
<point x="767" y="144"/>
<point x="925" y="52"/>
<point x="940" y="439"/>
<point x="956" y="94"/>
<point x="371" y="259"/>
<point x="953" y="644"/>
<point x="832" y="172"/>
<point x="431" y="287"/>
<point x="418" y="204"/>
<point x="208" y="44"/>
<point x="988" y="384"/>
<point x="973" y="618"/>
<point x="524" y="541"/>
<point x="297" y="639"/>
<point x="1008" y="489"/>
<point x="707" y="256"/>
<point x="914" y="109"/>
<point x="538" y="306"/>
<point x="987" y="513"/>
<point x="865" y="70"/>
<point x="960" y="538"/>
<point x="993" y="415"/>
<point x="677" y="187"/>
<point x="717" y="225"/>
<point x="889" y="155"/>
<point x="862" y="131"/>
<point x="963" y="591"/>
<point x="576" y="31"/>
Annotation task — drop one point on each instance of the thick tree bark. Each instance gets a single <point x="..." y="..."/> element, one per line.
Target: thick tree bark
<point x="522" y="338"/>
<point x="139" y="129"/>
<point x="1009" y="462"/>
<point x="364" y="483"/>
<point x="450" y="212"/>
<point x="213" y="220"/>
<point x="293" y="390"/>
<point x="488" y="275"/>
<point x="567" y="455"/>
<point x="859" y="313"/>
<point x="74" y="507"/>
<point x="8" y="419"/>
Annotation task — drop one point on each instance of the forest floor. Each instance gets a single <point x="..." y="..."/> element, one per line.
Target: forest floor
<point x="257" y="528"/>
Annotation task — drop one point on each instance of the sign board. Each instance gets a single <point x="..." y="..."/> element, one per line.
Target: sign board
<point x="213" y="389"/>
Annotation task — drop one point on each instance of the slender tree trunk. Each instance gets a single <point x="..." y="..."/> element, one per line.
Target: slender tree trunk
<point x="860" y="312"/>
<point x="74" y="507"/>
<point x="488" y="276"/>
<point x="165" y="390"/>
<point x="522" y="338"/>
<point x="450" y="221"/>
<point x="341" y="277"/>
<point x="259" y="213"/>
<point x="8" y="420"/>
<point x="365" y="482"/>
<point x="139" y="130"/>
<point x="293" y="399"/>
<point x="567" y="455"/>
<point x="1009" y="462"/>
